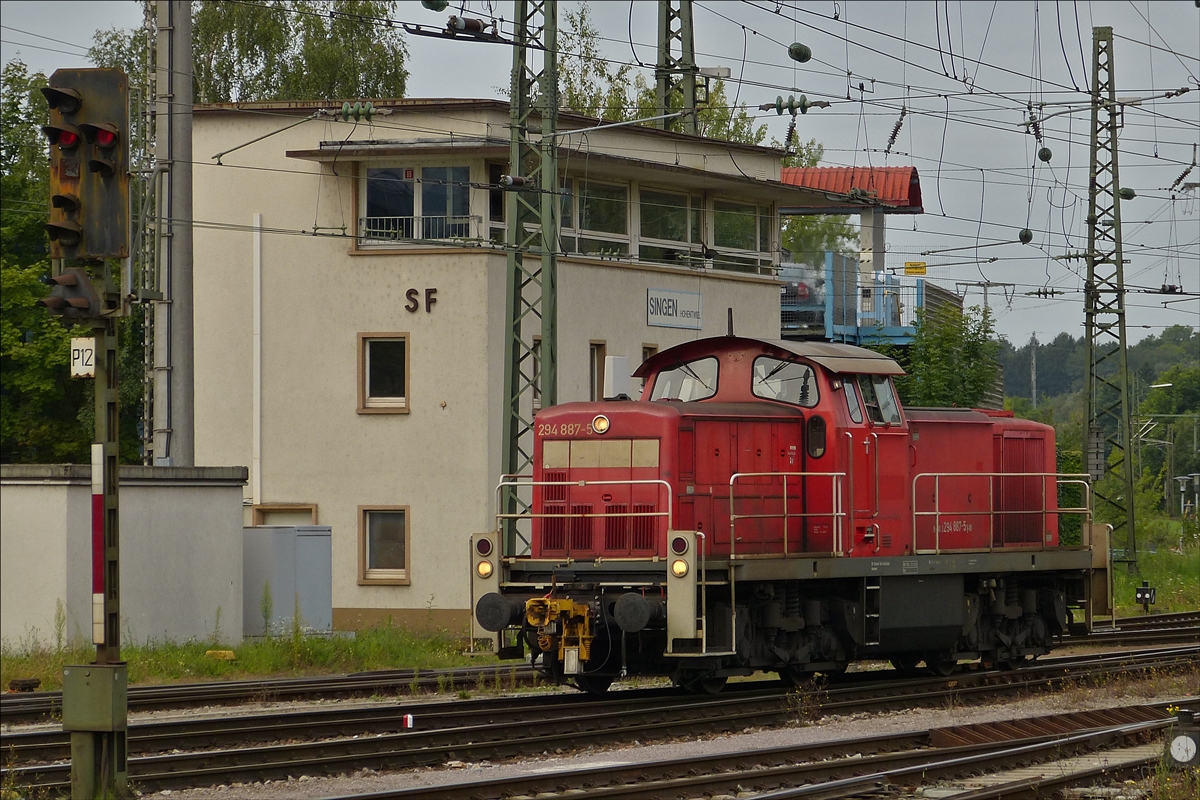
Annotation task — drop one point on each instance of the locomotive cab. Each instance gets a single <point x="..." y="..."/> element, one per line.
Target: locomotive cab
<point x="769" y="505"/>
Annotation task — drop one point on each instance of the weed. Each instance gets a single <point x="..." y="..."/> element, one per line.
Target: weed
<point x="60" y="624"/>
<point x="480" y="682"/>
<point x="266" y="607"/>
<point x="414" y="686"/>
<point x="463" y="694"/>
<point x="807" y="699"/>
<point x="443" y="682"/>
<point x="1173" y="784"/>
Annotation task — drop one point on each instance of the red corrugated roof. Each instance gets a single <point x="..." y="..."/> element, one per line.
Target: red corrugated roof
<point x="896" y="189"/>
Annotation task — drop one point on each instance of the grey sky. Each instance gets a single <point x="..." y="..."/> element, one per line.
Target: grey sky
<point x="965" y="137"/>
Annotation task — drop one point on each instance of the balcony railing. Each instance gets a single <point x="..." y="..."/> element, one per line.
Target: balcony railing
<point x="377" y="230"/>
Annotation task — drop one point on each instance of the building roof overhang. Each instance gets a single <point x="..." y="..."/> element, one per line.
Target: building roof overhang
<point x="892" y="190"/>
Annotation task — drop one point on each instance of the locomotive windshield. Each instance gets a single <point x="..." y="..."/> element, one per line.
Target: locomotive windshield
<point x="785" y="381"/>
<point x="694" y="380"/>
<point x="877" y="395"/>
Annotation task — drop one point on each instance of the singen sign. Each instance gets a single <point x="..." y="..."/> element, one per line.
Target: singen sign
<point x="667" y="308"/>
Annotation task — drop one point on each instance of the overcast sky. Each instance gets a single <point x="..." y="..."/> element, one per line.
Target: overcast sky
<point x="966" y="101"/>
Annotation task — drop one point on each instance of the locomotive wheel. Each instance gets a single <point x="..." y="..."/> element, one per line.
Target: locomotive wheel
<point x="942" y="664"/>
<point x="907" y="663"/>
<point x="709" y="685"/>
<point x="594" y="684"/>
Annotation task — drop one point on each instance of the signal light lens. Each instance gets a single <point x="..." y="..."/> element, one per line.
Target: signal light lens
<point x="105" y="138"/>
<point x="484" y="569"/>
<point x="679" y="568"/>
<point x="483" y="547"/>
<point x="679" y="545"/>
<point x="68" y="139"/>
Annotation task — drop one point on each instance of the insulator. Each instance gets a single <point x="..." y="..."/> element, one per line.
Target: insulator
<point x="1182" y="176"/>
<point x="791" y="133"/>
<point x="1026" y="236"/>
<point x="467" y="24"/>
<point x="1044" y="154"/>
<point x="1035" y="126"/>
<point x="896" y="130"/>
<point x="435" y="5"/>
<point x="511" y="181"/>
<point x="799" y="52"/>
<point x="1126" y="193"/>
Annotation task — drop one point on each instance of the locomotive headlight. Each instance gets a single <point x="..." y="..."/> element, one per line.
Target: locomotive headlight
<point x="484" y="569"/>
<point x="600" y="424"/>
<point x="679" y="568"/>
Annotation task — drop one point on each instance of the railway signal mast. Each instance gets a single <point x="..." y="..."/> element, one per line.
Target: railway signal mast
<point x="88" y="132"/>
<point x="1107" y="387"/>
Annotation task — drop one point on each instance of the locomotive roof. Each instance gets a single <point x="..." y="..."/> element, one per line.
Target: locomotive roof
<point x="841" y="358"/>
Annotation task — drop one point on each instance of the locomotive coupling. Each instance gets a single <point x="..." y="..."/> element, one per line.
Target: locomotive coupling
<point x="565" y="623"/>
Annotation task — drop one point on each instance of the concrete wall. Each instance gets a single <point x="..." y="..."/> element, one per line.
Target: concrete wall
<point x="181" y="551"/>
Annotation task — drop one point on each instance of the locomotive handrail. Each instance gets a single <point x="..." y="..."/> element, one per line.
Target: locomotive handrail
<point x="875" y="436"/>
<point x="837" y="512"/>
<point x="850" y="477"/>
<point x="1061" y="478"/>
<point x="517" y="481"/>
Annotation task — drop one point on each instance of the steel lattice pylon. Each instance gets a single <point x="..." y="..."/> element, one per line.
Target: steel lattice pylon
<point x="1104" y="304"/>
<point x="532" y="291"/>
<point x="676" y="74"/>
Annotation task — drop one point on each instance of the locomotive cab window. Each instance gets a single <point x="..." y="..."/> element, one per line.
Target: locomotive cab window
<point x="816" y="436"/>
<point x="879" y="399"/>
<point x="785" y="381"/>
<point x="695" y="380"/>
<point x="852" y="401"/>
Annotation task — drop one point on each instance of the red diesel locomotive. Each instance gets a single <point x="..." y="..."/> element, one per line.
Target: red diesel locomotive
<point x="769" y="505"/>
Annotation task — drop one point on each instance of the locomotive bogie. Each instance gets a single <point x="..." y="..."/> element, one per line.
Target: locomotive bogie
<point x="770" y="506"/>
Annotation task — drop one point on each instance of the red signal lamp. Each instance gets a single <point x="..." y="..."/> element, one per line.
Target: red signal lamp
<point x="67" y="137"/>
<point x="103" y="134"/>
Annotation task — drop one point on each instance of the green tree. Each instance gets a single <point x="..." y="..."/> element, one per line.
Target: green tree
<point x="40" y="407"/>
<point x="952" y="358"/>
<point x="588" y="83"/>
<point x="293" y="50"/>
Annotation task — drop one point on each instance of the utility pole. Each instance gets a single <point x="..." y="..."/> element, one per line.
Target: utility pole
<point x="1033" y="346"/>
<point x="676" y="74"/>
<point x="532" y="290"/>
<point x="1107" y="387"/>
<point x="174" y="373"/>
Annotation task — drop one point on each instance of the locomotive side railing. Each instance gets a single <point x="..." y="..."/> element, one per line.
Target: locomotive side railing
<point x="836" y="510"/>
<point x="516" y="482"/>
<point x="1060" y="479"/>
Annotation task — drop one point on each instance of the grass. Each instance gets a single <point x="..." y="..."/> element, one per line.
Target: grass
<point x="1175" y="575"/>
<point x="293" y="654"/>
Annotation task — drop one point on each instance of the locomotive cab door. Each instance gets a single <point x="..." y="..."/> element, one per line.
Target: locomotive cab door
<point x="880" y="444"/>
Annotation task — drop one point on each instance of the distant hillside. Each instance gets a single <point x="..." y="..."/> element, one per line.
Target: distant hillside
<point x="1062" y="362"/>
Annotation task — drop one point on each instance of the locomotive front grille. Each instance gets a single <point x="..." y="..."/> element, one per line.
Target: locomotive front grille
<point x="555" y="494"/>
<point x="642" y="528"/>
<point x="580" y="527"/>
<point x="554" y="529"/>
<point x="616" y="528"/>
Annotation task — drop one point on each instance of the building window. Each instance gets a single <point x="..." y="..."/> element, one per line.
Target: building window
<point x="383" y="545"/>
<point x="594" y="218"/>
<point x="397" y="209"/>
<point x="596" y="371"/>
<point x="670" y="227"/>
<point x="742" y="236"/>
<point x="383" y="373"/>
<point x="648" y="351"/>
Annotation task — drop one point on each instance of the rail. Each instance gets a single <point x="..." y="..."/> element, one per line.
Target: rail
<point x="836" y="511"/>
<point x="1060" y="479"/>
<point x="520" y="481"/>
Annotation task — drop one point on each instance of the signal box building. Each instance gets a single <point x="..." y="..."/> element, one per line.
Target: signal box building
<point x="350" y="312"/>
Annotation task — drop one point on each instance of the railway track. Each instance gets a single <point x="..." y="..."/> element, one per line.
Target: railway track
<point x="41" y="706"/>
<point x="504" y="727"/>
<point x="845" y="768"/>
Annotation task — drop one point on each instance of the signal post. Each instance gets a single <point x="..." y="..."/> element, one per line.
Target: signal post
<point x="89" y="223"/>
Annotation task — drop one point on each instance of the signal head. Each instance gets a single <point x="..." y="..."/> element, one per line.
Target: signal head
<point x="66" y="101"/>
<point x="67" y="137"/>
<point x="102" y="134"/>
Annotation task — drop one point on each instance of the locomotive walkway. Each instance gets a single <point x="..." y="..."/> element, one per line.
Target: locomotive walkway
<point x="343" y="740"/>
